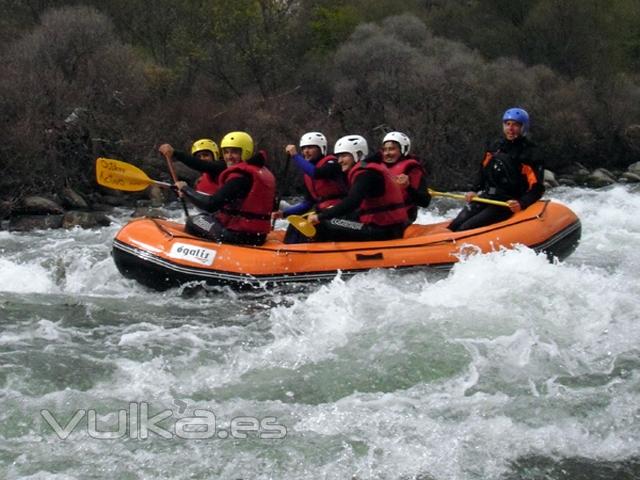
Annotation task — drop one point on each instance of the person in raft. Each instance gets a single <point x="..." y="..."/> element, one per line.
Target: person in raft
<point x="373" y="209"/>
<point x="325" y="182"/>
<point x="509" y="172"/>
<point x="240" y="210"/>
<point x="205" y="158"/>
<point x="407" y="170"/>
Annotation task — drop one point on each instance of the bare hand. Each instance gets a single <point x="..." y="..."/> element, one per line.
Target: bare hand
<point x="276" y="215"/>
<point x="469" y="196"/>
<point x="291" y="150"/>
<point x="313" y="219"/>
<point x="166" y="150"/>
<point x="514" y="205"/>
<point x="402" y="180"/>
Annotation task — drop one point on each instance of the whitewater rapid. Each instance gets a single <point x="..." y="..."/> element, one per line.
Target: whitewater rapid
<point x="507" y="365"/>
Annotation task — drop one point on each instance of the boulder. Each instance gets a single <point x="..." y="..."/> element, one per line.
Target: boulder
<point x="607" y="172"/>
<point x="634" y="168"/>
<point x="568" y="181"/>
<point x="157" y="195"/>
<point x="574" y="174"/>
<point x="600" y="177"/>
<point x="34" y="205"/>
<point x="101" y="207"/>
<point x="73" y="200"/>
<point x="27" y="223"/>
<point x="85" y="219"/>
<point x="115" y="200"/>
<point x="630" y="177"/>
<point x="550" y="179"/>
<point x="147" y="211"/>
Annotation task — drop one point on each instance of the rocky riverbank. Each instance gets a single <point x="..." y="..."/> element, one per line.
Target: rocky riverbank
<point x="70" y="209"/>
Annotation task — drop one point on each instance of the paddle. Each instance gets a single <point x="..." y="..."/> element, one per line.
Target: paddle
<point x="174" y="177"/>
<point x="300" y="223"/>
<point x="123" y="176"/>
<point x="458" y="196"/>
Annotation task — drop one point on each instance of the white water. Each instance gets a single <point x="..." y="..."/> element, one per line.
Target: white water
<point x="384" y="375"/>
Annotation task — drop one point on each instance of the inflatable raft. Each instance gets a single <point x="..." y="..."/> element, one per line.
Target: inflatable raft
<point x="159" y="254"/>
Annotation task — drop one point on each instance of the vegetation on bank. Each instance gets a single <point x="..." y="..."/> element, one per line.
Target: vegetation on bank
<point x="116" y="78"/>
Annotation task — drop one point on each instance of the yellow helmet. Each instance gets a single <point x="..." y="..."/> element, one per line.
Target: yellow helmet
<point x="205" y="144"/>
<point x="239" y="140"/>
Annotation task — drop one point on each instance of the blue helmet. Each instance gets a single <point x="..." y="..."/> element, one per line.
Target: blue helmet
<point x="518" y="115"/>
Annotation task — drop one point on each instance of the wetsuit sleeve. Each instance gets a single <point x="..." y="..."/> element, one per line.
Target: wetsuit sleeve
<point x="477" y="181"/>
<point x="212" y="168"/>
<point x="306" y="167"/>
<point x="236" y="187"/>
<point x="534" y="174"/>
<point x="298" y="208"/>
<point x="367" y="184"/>
<point x="420" y="195"/>
<point x="329" y="170"/>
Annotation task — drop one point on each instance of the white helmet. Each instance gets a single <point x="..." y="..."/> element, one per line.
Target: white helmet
<point x="314" y="139"/>
<point x="353" y="144"/>
<point x="401" y="139"/>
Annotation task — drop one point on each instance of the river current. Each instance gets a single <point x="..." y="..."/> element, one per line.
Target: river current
<point x="508" y="367"/>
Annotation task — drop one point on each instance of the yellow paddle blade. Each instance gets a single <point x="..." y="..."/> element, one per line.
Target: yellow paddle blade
<point x="458" y="196"/>
<point x="120" y="175"/>
<point x="302" y="225"/>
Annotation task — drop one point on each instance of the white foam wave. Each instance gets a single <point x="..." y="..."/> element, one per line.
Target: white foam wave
<point x="16" y="277"/>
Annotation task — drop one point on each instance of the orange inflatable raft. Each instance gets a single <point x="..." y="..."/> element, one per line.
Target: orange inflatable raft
<point x="158" y="253"/>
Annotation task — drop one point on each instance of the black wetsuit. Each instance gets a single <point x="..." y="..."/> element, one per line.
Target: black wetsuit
<point x="509" y="171"/>
<point x="213" y="168"/>
<point x="206" y="225"/>
<point x="340" y="223"/>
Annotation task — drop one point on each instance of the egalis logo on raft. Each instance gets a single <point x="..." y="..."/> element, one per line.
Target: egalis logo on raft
<point x="192" y="253"/>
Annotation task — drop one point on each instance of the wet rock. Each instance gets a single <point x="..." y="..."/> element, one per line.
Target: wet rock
<point x="27" y="223"/>
<point x="85" y="219"/>
<point x="157" y="195"/>
<point x="115" y="200"/>
<point x="574" y="174"/>
<point x="35" y="205"/>
<point x="600" y="177"/>
<point x="569" y="181"/>
<point x="634" y="168"/>
<point x="550" y="179"/>
<point x="147" y="211"/>
<point x="101" y="207"/>
<point x="73" y="200"/>
<point x="607" y="172"/>
<point x="630" y="177"/>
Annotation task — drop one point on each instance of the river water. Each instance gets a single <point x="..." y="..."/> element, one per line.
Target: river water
<point x="508" y="367"/>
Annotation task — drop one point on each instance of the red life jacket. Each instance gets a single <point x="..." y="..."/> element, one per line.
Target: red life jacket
<point x="206" y="184"/>
<point x="387" y="209"/>
<point x="251" y="214"/>
<point x="326" y="192"/>
<point x="404" y="166"/>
